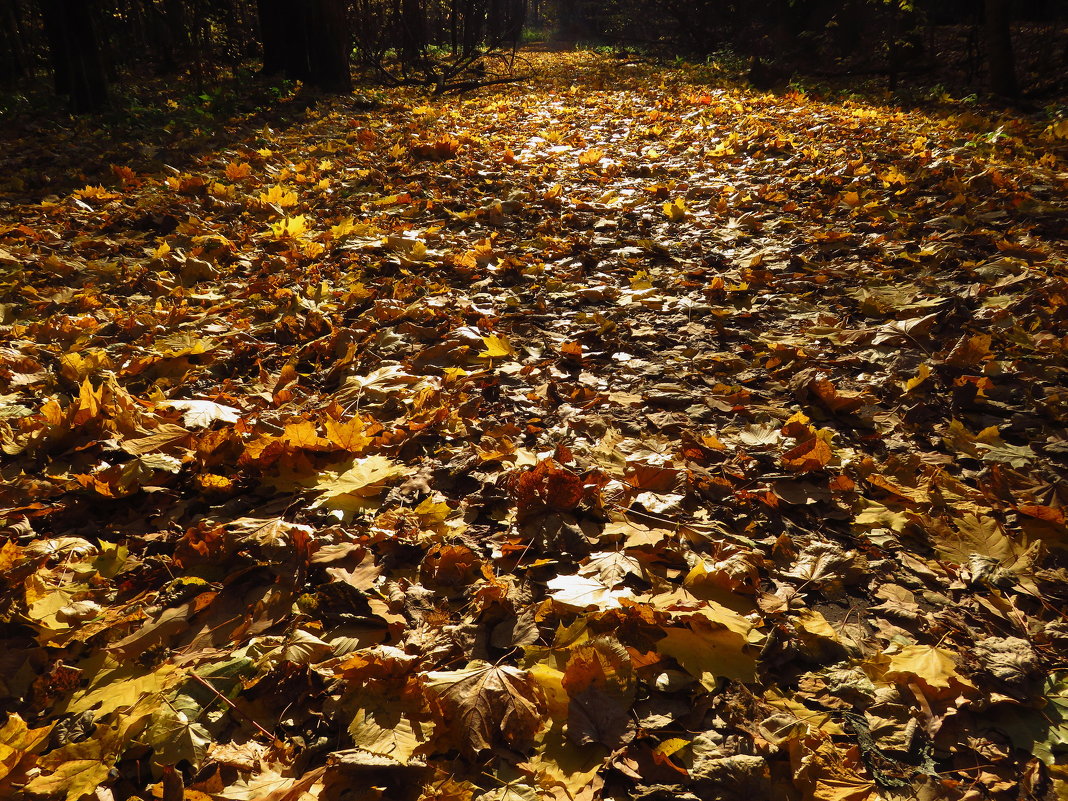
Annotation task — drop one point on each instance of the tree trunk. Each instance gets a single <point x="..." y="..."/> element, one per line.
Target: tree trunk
<point x="569" y="25"/>
<point x="329" y="45"/>
<point x="413" y="30"/>
<point x="273" y="35"/>
<point x="308" y="40"/>
<point x="13" y="62"/>
<point x="77" y="67"/>
<point x="999" y="57"/>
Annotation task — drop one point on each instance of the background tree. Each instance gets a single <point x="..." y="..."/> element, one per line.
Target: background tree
<point x="308" y="40"/>
<point x="77" y="67"/>
<point x="1000" y="59"/>
<point x="86" y="44"/>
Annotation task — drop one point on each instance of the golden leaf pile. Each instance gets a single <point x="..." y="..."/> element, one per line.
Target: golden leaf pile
<point x="627" y="435"/>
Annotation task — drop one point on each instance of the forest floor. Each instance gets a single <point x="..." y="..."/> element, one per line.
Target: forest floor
<point x="625" y="434"/>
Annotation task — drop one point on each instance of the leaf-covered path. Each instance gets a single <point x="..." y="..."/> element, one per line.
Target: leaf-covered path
<point x="629" y="436"/>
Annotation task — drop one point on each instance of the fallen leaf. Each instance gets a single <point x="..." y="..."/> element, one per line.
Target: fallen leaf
<point x="489" y="705"/>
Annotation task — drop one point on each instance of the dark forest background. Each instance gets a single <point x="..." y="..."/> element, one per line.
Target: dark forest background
<point x="87" y="47"/>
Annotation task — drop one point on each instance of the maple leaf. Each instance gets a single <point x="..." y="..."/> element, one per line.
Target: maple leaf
<point x="933" y="666"/>
<point x="202" y="413"/>
<point x="290" y="227"/>
<point x="582" y="593"/>
<point x="174" y="737"/>
<point x="75" y="779"/>
<point x="380" y="726"/>
<point x="96" y="193"/>
<point x="599" y="681"/>
<point x="497" y="347"/>
<point x="812" y="454"/>
<point x="591" y="157"/>
<point x="547" y="487"/>
<point x="238" y="170"/>
<point x="19" y="745"/>
<point x="711" y="647"/>
<point x="487" y="705"/>
<point x="675" y="210"/>
<point x="357" y="487"/>
<point x="278" y="196"/>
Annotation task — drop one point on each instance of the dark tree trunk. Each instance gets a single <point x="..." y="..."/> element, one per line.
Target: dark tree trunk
<point x="569" y="24"/>
<point x="273" y="35"/>
<point x="77" y="67"/>
<point x="999" y="56"/>
<point x="413" y="30"/>
<point x="13" y="62"/>
<point x="308" y="40"/>
<point x="328" y="45"/>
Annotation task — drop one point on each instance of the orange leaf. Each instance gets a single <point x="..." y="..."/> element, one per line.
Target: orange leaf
<point x="812" y="454"/>
<point x="1048" y="513"/>
<point x="547" y="487"/>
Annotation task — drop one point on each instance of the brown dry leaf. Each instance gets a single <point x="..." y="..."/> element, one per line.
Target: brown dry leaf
<point x="970" y="350"/>
<point x="547" y="487"/>
<point x="487" y="705"/>
<point x="599" y="681"/>
<point x="807" y="456"/>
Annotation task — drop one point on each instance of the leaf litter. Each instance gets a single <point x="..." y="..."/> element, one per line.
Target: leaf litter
<point x="627" y="436"/>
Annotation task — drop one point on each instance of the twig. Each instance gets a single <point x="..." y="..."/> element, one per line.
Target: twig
<point x="233" y="706"/>
<point x="463" y="86"/>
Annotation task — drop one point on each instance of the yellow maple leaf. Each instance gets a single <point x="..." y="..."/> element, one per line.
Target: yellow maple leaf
<point x="707" y="652"/>
<point x="497" y="347"/>
<point x="279" y="196"/>
<point x="933" y="666"/>
<point x="366" y="478"/>
<point x="344" y="228"/>
<point x="591" y="157"/>
<point x="922" y="374"/>
<point x="96" y="193"/>
<point x="238" y="170"/>
<point x="1058" y="130"/>
<point x="77" y="778"/>
<point x="640" y="280"/>
<point x="292" y="227"/>
<point x="675" y="210"/>
<point x="18" y="745"/>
